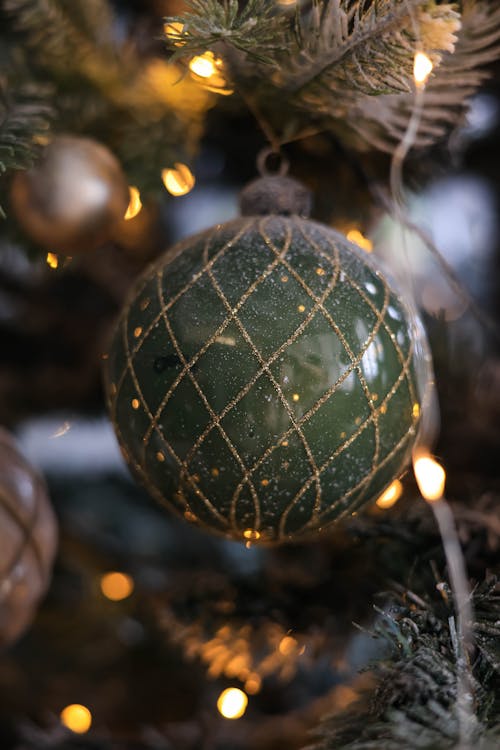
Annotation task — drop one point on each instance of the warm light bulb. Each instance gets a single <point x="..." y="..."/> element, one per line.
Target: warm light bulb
<point x="203" y="65"/>
<point x="430" y="476"/>
<point x="77" y="718"/>
<point x="134" y="205"/>
<point x="354" y="235"/>
<point x="52" y="260"/>
<point x="179" y="180"/>
<point x="232" y="703"/>
<point x="392" y="494"/>
<point x="173" y="30"/>
<point x="116" y="586"/>
<point x="422" y="68"/>
<point x="287" y="645"/>
<point x="251" y="534"/>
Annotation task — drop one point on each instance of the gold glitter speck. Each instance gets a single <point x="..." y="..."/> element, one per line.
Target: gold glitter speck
<point x="135" y="403"/>
<point x="160" y="456"/>
<point x="137" y="332"/>
<point x="301" y="308"/>
<point x="296" y="397"/>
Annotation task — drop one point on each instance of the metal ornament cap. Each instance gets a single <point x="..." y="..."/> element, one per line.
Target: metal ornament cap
<point x="276" y="194"/>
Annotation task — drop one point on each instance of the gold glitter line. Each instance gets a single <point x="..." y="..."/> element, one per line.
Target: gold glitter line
<point x="213" y="415"/>
<point x="159" y="268"/>
<point x="366" y="480"/>
<point x="325" y="397"/>
<point x="340" y="336"/>
<point x="162" y="438"/>
<point x="274" y="383"/>
<point x="247" y="388"/>
<point x="345" y="344"/>
<point x="341" y="448"/>
<point x="248" y="293"/>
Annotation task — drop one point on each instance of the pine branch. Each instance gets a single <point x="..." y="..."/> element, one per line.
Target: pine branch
<point x="381" y="122"/>
<point x="255" y="29"/>
<point x="24" y="120"/>
<point x="361" y="45"/>
<point x="414" y="702"/>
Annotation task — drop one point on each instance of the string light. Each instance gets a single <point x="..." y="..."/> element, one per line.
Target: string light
<point x="431" y="478"/>
<point x="209" y="68"/>
<point x="77" y="718"/>
<point x="251" y="534"/>
<point x="287" y="645"/>
<point x="232" y="703"/>
<point x="116" y="586"/>
<point x="354" y="235"/>
<point x="422" y="68"/>
<point x="173" y="30"/>
<point x="392" y="494"/>
<point x="253" y="684"/>
<point x="134" y="205"/>
<point x="204" y="65"/>
<point x="178" y="181"/>
<point x="52" y="260"/>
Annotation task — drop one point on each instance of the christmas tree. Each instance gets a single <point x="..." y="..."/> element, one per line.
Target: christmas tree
<point x="297" y="545"/>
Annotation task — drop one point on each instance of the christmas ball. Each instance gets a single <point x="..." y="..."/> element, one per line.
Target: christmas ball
<point x="70" y="201"/>
<point x="28" y="538"/>
<point x="263" y="379"/>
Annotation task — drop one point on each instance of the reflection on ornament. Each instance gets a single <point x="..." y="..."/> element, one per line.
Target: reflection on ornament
<point x="71" y="199"/>
<point x="232" y="703"/>
<point x="354" y="235"/>
<point x="178" y="181"/>
<point x="28" y="538"/>
<point x="77" y="718"/>
<point x="134" y="205"/>
<point x="391" y="495"/>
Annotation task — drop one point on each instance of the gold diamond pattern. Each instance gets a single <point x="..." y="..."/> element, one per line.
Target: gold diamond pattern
<point x="266" y="229"/>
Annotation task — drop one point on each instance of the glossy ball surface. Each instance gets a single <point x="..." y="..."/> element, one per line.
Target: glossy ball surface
<point x="72" y="198"/>
<point x="262" y="379"/>
<point x="28" y="538"/>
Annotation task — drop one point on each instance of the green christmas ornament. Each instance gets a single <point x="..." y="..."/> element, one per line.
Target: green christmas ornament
<point x="262" y="380"/>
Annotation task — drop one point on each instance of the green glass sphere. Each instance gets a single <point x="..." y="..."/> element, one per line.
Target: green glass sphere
<point x="262" y="379"/>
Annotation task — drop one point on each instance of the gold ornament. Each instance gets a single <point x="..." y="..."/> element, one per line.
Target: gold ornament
<point x="28" y="536"/>
<point x="70" y="201"/>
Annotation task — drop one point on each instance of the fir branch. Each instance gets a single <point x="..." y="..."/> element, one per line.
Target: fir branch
<point x="255" y="29"/>
<point x="361" y="45"/>
<point x="24" y="121"/>
<point x="414" y="703"/>
<point x="381" y="122"/>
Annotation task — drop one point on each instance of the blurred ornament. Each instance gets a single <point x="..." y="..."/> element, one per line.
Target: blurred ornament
<point x="70" y="201"/>
<point x="28" y="537"/>
<point x="266" y="379"/>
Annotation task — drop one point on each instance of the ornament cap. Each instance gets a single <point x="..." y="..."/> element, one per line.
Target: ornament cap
<point x="276" y="194"/>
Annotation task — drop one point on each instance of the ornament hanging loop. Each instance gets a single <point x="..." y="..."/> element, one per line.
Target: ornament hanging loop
<point x="272" y="163"/>
<point x="274" y="192"/>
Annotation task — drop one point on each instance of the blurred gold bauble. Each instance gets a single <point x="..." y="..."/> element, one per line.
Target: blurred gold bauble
<point x="72" y="198"/>
<point x="28" y="537"/>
